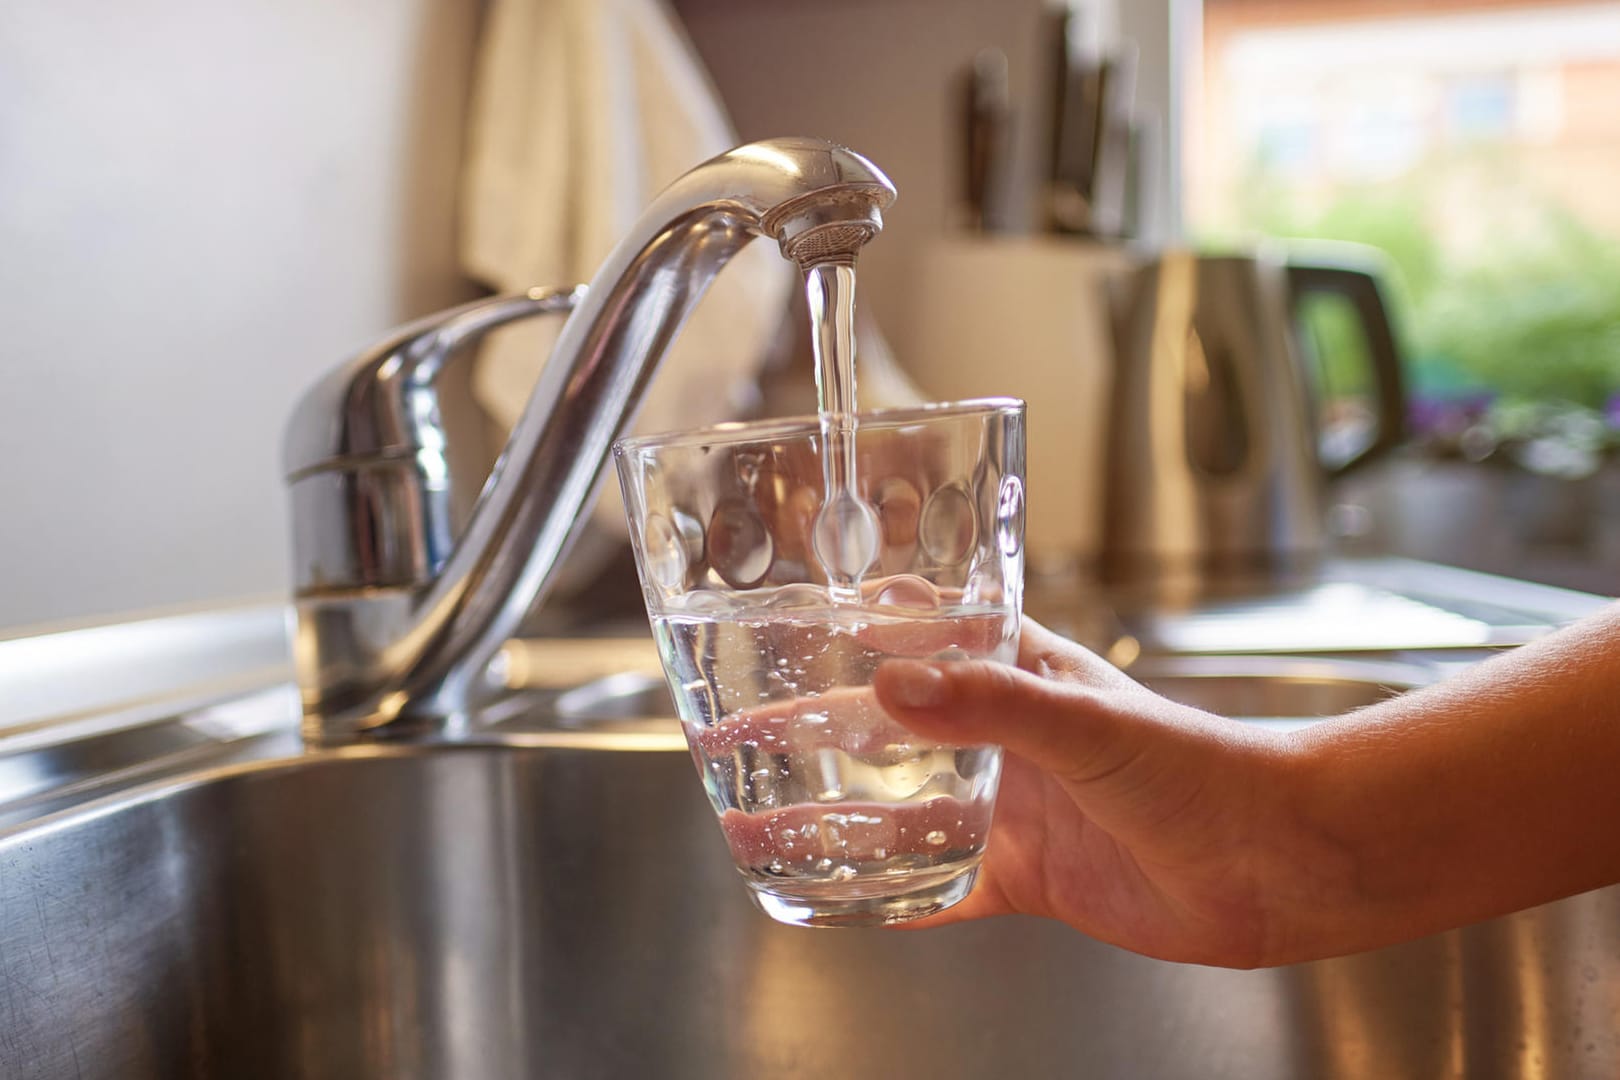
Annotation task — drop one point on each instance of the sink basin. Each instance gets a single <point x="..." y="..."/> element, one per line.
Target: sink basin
<point x="566" y="908"/>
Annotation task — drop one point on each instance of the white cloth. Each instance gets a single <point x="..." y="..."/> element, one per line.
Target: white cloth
<point x="583" y="110"/>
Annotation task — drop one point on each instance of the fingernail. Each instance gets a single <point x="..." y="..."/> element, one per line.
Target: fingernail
<point x="916" y="685"/>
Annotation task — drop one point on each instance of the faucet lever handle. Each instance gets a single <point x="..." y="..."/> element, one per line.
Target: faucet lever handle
<point x="380" y="491"/>
<point x="459" y="327"/>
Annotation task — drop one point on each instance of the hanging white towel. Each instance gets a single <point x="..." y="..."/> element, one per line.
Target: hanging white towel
<point x="583" y="110"/>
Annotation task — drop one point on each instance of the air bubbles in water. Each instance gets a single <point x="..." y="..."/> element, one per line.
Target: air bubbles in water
<point x="831" y="788"/>
<point x="907" y="774"/>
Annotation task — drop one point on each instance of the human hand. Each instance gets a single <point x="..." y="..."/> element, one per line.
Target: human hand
<point x="1141" y="822"/>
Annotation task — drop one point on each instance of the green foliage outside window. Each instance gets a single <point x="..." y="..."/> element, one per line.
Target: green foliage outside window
<point x="1531" y="318"/>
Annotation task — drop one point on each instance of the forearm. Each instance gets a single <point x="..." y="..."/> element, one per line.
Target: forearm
<point x="1492" y="792"/>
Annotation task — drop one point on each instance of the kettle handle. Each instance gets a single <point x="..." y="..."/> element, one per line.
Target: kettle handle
<point x="1361" y="290"/>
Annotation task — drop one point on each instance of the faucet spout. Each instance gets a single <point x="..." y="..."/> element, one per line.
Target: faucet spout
<point x="411" y="659"/>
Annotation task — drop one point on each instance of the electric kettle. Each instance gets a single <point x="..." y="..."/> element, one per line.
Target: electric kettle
<point x="1180" y="436"/>
<point x="1222" y="438"/>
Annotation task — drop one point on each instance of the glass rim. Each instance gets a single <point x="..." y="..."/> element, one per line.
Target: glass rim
<point x="743" y="431"/>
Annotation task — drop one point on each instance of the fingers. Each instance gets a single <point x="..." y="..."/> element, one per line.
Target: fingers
<point x="1066" y="729"/>
<point x="1056" y="657"/>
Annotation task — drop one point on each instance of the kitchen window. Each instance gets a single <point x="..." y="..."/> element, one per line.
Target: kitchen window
<point x="1477" y="143"/>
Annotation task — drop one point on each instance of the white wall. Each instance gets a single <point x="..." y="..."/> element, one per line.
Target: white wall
<point x="202" y="206"/>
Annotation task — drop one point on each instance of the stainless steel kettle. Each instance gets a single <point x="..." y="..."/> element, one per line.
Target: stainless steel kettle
<point x="1217" y="462"/>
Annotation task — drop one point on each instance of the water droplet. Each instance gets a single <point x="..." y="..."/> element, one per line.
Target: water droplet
<point x="843" y="872"/>
<point x="936" y="837"/>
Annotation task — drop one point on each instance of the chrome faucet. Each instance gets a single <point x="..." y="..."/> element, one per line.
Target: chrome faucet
<point x="411" y="567"/>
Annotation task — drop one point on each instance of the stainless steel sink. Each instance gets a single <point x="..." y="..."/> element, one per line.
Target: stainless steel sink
<point x="558" y="903"/>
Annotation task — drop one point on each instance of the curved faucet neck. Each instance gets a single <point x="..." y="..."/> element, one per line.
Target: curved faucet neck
<point x="414" y="661"/>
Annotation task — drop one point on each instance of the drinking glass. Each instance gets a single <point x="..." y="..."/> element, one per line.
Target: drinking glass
<point x="834" y="813"/>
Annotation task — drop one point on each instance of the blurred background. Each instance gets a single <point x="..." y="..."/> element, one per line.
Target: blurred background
<point x="203" y="207"/>
<point x="1477" y="143"/>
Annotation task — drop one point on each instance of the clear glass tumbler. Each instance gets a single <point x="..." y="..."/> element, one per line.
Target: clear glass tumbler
<point x="834" y="813"/>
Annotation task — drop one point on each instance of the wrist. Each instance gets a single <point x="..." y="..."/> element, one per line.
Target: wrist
<point x="1315" y="867"/>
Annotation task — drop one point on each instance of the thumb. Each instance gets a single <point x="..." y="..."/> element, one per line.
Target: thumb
<point x="1069" y="730"/>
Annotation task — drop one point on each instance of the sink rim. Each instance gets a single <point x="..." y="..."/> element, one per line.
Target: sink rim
<point x="281" y="751"/>
<point x="1285" y="667"/>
